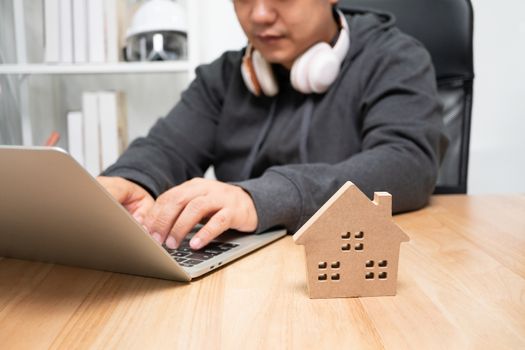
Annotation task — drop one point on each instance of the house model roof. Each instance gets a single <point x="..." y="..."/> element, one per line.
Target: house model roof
<point x="349" y="203"/>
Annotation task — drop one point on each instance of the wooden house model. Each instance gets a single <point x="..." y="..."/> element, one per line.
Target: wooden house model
<point x="352" y="246"/>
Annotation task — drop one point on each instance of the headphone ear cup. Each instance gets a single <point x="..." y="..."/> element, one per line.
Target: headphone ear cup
<point x="300" y="75"/>
<point x="323" y="71"/>
<point x="264" y="73"/>
<point x="249" y="76"/>
<point x="318" y="68"/>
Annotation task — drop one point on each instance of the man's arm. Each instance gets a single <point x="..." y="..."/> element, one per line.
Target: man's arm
<point x="180" y="146"/>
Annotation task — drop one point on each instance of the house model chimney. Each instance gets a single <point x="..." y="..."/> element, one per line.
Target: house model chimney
<point x="384" y="202"/>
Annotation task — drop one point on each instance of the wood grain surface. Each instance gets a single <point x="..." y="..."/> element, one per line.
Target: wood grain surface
<point x="461" y="286"/>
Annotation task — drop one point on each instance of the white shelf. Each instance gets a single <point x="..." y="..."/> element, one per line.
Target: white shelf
<point x="99" y="68"/>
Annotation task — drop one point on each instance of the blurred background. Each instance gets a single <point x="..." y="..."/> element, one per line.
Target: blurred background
<point x="497" y="159"/>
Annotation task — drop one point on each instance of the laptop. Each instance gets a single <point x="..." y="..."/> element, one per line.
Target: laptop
<point x="52" y="210"/>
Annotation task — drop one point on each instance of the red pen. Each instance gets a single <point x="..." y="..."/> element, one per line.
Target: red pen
<point x="53" y="139"/>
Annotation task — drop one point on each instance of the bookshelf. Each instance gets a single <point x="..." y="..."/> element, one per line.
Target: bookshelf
<point x="45" y="91"/>
<point x="104" y="68"/>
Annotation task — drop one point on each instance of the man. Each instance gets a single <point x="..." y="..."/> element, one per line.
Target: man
<point x="283" y="138"/>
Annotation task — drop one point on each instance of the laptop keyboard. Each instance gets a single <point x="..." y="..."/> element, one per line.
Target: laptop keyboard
<point x="188" y="257"/>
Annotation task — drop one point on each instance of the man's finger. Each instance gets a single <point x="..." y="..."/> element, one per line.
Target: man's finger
<point x="140" y="210"/>
<point x="217" y="224"/>
<point x="196" y="210"/>
<point x="168" y="207"/>
<point x="116" y="188"/>
<point x="162" y="216"/>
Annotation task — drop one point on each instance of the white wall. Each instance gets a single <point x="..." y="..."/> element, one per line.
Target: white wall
<point x="220" y="30"/>
<point x="497" y="157"/>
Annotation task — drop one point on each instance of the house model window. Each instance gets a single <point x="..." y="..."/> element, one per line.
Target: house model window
<point x="352" y="246"/>
<point x="324" y="270"/>
<point x="348" y="242"/>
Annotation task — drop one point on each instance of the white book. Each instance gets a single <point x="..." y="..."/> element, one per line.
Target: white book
<point x="96" y="34"/>
<point x="75" y="136"/>
<point x="66" y="31"/>
<point x="112" y="30"/>
<point x="52" y="31"/>
<point x="80" y="31"/>
<point x="90" y="111"/>
<point x="113" y="128"/>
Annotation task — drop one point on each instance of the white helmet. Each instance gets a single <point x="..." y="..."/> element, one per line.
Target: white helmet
<point x="158" y="31"/>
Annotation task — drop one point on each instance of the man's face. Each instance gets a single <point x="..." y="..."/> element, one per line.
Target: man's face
<point x="281" y="30"/>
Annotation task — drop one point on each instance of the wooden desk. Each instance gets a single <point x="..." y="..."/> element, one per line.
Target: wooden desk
<point x="461" y="286"/>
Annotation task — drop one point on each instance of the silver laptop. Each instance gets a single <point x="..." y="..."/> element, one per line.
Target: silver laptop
<point x="52" y="210"/>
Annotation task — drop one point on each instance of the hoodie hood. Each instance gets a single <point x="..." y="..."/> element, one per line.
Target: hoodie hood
<point x="364" y="25"/>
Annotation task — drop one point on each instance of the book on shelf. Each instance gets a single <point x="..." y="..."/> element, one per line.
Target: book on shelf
<point x="52" y="31"/>
<point x="98" y="135"/>
<point x="66" y="31"/>
<point x="97" y="35"/>
<point x="112" y="30"/>
<point x="91" y="132"/>
<point x="113" y="126"/>
<point x="75" y="136"/>
<point x="84" y="31"/>
<point x="80" y="31"/>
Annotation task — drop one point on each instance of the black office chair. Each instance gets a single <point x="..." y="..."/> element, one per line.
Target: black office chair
<point x="445" y="27"/>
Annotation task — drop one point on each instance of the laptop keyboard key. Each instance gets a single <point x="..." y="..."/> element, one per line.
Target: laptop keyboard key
<point x="192" y="262"/>
<point x="180" y="254"/>
<point x="213" y="245"/>
<point x="188" y="257"/>
<point x="200" y="256"/>
<point x="227" y="246"/>
<point x="213" y="251"/>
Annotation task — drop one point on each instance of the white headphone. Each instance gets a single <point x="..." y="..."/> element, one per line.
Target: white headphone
<point x="312" y="72"/>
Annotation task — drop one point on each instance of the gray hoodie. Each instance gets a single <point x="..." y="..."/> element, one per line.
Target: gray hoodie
<point x="379" y="125"/>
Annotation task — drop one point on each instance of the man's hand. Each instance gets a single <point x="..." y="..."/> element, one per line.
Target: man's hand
<point x="133" y="197"/>
<point x="179" y="209"/>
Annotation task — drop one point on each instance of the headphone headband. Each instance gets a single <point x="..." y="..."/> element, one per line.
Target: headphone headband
<point x="343" y="42"/>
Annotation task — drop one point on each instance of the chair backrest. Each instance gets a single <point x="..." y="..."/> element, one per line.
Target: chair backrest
<point x="445" y="28"/>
